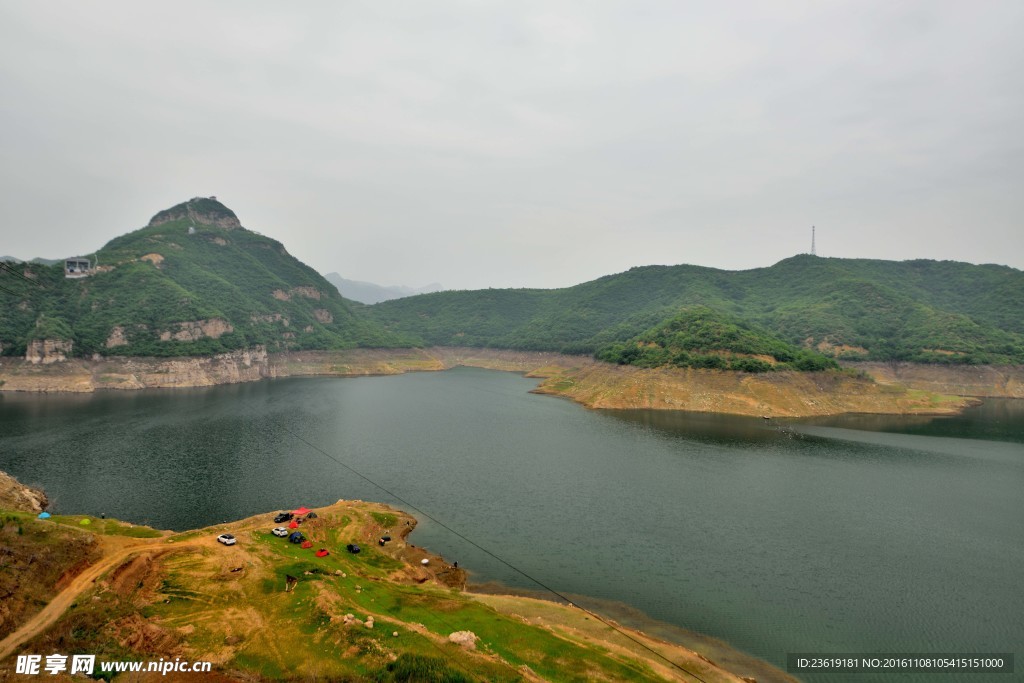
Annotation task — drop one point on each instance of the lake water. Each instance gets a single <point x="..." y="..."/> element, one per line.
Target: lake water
<point x="855" y="534"/>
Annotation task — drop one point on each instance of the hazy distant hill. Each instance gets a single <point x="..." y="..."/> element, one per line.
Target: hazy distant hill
<point x="925" y="311"/>
<point x="192" y="282"/>
<point x="369" y="293"/>
<point x="43" y="261"/>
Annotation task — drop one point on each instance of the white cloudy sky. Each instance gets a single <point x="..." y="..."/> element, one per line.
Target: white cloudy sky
<point x="521" y="143"/>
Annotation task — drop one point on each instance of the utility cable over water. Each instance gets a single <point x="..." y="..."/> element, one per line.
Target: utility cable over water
<point x="479" y="547"/>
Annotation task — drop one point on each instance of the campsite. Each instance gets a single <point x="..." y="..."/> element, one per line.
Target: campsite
<point x="389" y="609"/>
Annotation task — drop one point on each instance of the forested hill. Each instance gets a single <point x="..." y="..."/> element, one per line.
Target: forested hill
<point x="195" y="282"/>
<point x="192" y="282"/>
<point x="924" y="311"/>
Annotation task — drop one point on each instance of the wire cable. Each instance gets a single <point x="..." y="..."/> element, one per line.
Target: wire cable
<point x="427" y="637"/>
<point x="476" y="545"/>
<point x="7" y="268"/>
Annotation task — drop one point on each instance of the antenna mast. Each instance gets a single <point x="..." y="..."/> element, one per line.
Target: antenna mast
<point x="813" y="251"/>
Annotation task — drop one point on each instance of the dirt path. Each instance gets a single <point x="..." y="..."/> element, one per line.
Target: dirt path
<point x="112" y="558"/>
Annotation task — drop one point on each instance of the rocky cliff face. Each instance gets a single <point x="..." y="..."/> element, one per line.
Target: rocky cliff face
<point x="226" y="222"/>
<point x="81" y="375"/>
<point x="308" y="292"/>
<point x="48" y="351"/>
<point x="1006" y="381"/>
<point x="16" y="496"/>
<point x="199" y="210"/>
<point x="226" y="368"/>
<point x="117" y="337"/>
<point x="197" y="329"/>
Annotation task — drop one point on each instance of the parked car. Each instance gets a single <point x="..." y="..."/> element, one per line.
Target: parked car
<point x="283" y="517"/>
<point x="226" y="539"/>
<point x="280" y="531"/>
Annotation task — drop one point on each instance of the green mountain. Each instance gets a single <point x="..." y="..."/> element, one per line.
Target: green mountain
<point x="192" y="282"/>
<point x="195" y="282"/>
<point x="923" y="311"/>
<point x="700" y="337"/>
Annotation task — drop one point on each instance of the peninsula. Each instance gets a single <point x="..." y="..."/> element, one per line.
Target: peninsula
<point x="268" y="609"/>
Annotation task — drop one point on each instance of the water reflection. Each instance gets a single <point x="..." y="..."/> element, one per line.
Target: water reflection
<point x="708" y="428"/>
<point x="996" y="419"/>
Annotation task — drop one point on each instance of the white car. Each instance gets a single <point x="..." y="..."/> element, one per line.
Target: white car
<point x="226" y="539"/>
<point x="280" y="531"/>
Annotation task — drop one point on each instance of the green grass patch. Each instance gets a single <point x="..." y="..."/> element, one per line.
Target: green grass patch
<point x="385" y="519"/>
<point x="107" y="527"/>
<point x="413" y="667"/>
<point x="444" y="612"/>
<point x="248" y="661"/>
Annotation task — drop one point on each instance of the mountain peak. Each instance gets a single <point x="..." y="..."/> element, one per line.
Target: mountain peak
<point x="199" y="210"/>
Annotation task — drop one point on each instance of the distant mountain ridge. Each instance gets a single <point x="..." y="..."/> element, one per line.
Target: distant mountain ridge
<point x="920" y="311"/>
<point x="43" y="261"/>
<point x="370" y="293"/>
<point x="193" y="282"/>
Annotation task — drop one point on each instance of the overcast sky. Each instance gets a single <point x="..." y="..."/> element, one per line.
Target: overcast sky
<point x="521" y="143"/>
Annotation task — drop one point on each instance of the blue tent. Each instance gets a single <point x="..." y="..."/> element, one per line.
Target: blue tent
<point x="296" y="537"/>
<point x="44" y="515"/>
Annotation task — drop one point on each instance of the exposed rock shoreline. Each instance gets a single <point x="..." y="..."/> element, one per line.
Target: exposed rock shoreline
<point x="880" y="388"/>
<point x="17" y="496"/>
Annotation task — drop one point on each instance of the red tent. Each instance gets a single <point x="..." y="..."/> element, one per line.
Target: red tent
<point x="301" y="511"/>
<point x="293" y="525"/>
<point x="323" y="552"/>
<point x="307" y="544"/>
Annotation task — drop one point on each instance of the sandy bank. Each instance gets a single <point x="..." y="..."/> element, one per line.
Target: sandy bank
<point x="887" y="388"/>
<point x="775" y="394"/>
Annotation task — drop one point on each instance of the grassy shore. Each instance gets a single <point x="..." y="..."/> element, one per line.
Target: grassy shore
<point x="134" y="593"/>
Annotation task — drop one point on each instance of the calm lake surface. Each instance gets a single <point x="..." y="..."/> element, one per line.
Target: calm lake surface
<point x="855" y="534"/>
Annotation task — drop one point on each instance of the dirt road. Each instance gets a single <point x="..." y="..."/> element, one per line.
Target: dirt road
<point x="63" y="600"/>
